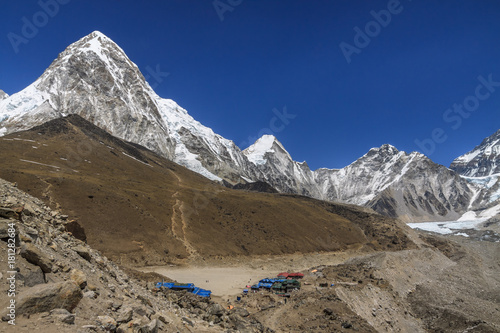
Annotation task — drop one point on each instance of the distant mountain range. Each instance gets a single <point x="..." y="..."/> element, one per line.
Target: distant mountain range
<point x="95" y="79"/>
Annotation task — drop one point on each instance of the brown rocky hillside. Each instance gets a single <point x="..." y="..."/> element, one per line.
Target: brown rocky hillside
<point x="141" y="209"/>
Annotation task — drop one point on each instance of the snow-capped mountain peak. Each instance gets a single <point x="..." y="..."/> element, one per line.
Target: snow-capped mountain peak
<point x="101" y="45"/>
<point x="265" y="144"/>
<point x="3" y="94"/>
<point x="482" y="161"/>
<point x="95" y="79"/>
<point x="385" y="149"/>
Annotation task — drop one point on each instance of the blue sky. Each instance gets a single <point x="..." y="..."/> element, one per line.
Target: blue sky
<point x="232" y="62"/>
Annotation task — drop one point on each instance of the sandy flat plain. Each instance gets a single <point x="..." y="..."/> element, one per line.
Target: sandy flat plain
<point x="229" y="278"/>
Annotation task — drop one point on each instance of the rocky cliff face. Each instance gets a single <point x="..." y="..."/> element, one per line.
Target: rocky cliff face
<point x="95" y="79"/>
<point x="392" y="182"/>
<point x="274" y="165"/>
<point x="482" y="161"/>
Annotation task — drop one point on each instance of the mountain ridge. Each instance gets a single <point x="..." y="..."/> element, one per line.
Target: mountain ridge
<point x="95" y="79"/>
<point x="482" y="161"/>
<point x="141" y="208"/>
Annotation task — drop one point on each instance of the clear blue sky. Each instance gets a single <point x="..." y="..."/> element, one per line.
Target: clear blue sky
<point x="268" y="54"/>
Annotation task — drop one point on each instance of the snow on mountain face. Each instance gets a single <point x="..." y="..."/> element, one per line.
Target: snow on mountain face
<point x="360" y="181"/>
<point x="391" y="182"/>
<point x="274" y="165"/>
<point x="94" y="78"/>
<point x="256" y="152"/>
<point x="398" y="184"/>
<point x="484" y="160"/>
<point x="3" y="95"/>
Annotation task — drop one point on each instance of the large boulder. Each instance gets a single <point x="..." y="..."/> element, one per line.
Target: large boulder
<point x="9" y="213"/>
<point x="36" y="257"/>
<point x="83" y="252"/>
<point x="216" y="310"/>
<point x="47" y="297"/>
<point x="31" y="276"/>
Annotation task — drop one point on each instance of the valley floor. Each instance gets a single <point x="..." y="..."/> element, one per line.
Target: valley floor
<point x="449" y="284"/>
<point x="227" y="277"/>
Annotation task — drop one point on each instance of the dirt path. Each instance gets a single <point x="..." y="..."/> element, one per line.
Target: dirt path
<point x="179" y="225"/>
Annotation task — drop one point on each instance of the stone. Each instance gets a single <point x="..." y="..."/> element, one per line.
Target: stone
<point x="59" y="311"/>
<point x="144" y="300"/>
<point x="4" y="227"/>
<point x="33" y="277"/>
<point x="107" y="323"/>
<point x="83" y="252"/>
<point x="36" y="257"/>
<point x="26" y="238"/>
<point x="161" y="318"/>
<point x="142" y="310"/>
<point x="152" y="327"/>
<point x="63" y="316"/>
<point x="47" y="297"/>
<point x="93" y="328"/>
<point x="241" y="312"/>
<point x="76" y="230"/>
<point x="215" y="309"/>
<point x="123" y="328"/>
<point x="30" y="210"/>
<point x="116" y="305"/>
<point x="31" y="232"/>
<point x="125" y="315"/>
<point x="137" y="324"/>
<point x="188" y="321"/>
<point x="9" y="213"/>
<point x="239" y="323"/>
<point x="79" y="277"/>
<point x="91" y="287"/>
<point x="90" y="294"/>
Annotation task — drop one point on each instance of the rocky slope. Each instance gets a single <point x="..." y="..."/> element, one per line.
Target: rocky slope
<point x="63" y="285"/>
<point x="95" y="79"/>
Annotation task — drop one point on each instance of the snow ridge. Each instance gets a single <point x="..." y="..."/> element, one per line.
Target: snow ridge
<point x="483" y="160"/>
